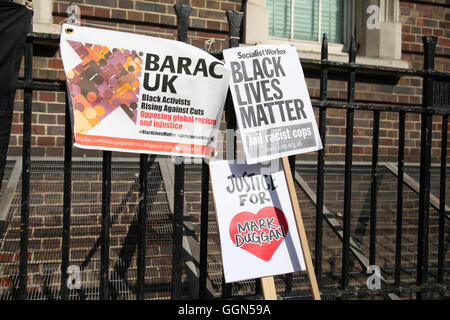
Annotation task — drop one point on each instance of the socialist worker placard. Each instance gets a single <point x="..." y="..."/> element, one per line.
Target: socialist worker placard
<point x="271" y="101"/>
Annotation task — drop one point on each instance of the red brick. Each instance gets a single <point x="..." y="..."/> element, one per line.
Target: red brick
<point x="5" y="282"/>
<point x="47" y="118"/>
<point x="169" y="20"/>
<point x="37" y="129"/>
<point x="118" y="14"/>
<point x="55" y="152"/>
<point x="135" y="16"/>
<point x="408" y="37"/>
<point x="386" y="142"/>
<point x="198" y="3"/>
<point x="86" y="10"/>
<point x="47" y="96"/>
<point x="46" y="141"/>
<point x="444" y="42"/>
<point x="126" y="4"/>
<point x="55" y="63"/>
<point x="151" y="17"/>
<point x="102" y="12"/>
<point x="17" y="257"/>
<point x="16" y="129"/>
<point x="6" y="257"/>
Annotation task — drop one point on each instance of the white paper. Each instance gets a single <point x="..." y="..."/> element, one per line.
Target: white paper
<point x="142" y="94"/>
<point x="258" y="233"/>
<point x="272" y="103"/>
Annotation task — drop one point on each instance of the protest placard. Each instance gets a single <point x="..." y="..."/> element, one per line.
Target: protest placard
<point x="142" y="94"/>
<point x="258" y="232"/>
<point x="271" y="102"/>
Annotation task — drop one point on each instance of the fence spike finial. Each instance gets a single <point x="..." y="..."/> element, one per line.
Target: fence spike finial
<point x="183" y="12"/>
<point x="429" y="50"/>
<point x="324" y="50"/>
<point x="352" y="53"/>
<point x="234" y="21"/>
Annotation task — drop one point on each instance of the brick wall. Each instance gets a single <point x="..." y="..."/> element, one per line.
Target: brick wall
<point x="208" y="22"/>
<point x="417" y="20"/>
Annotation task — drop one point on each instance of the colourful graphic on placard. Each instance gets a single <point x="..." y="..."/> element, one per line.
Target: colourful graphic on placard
<point x="104" y="80"/>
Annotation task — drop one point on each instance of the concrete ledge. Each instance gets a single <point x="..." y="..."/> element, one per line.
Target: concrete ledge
<point x="8" y="193"/>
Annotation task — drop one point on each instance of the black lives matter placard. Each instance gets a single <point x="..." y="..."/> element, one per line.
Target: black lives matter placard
<point x="271" y="101"/>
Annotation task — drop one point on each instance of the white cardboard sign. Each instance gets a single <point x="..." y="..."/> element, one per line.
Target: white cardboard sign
<point x="272" y="103"/>
<point x="258" y="232"/>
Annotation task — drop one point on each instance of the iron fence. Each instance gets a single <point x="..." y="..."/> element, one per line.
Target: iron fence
<point x="434" y="103"/>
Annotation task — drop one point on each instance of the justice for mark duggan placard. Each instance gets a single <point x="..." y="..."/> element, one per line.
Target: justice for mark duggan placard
<point x="258" y="232"/>
<point x="272" y="103"/>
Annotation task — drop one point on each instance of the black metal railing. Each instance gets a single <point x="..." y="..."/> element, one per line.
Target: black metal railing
<point x="323" y="104"/>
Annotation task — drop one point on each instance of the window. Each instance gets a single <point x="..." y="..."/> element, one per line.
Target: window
<point x="306" y="19"/>
<point x="298" y="22"/>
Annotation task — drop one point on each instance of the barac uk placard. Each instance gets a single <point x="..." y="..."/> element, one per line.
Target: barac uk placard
<point x="258" y="232"/>
<point x="142" y="94"/>
<point x="272" y="103"/>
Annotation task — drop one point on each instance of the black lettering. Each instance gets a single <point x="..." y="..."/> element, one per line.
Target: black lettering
<point x="212" y="70"/>
<point x="270" y="224"/>
<point x="168" y="63"/>
<point x="247" y="87"/>
<point x="151" y="62"/>
<point x="201" y="67"/>
<point x="280" y="106"/>
<point x="266" y="90"/>
<point x="265" y="62"/>
<point x="263" y="197"/>
<point x="272" y="183"/>
<point x="235" y="72"/>
<point x="277" y="66"/>
<point x="239" y="184"/>
<point x="183" y="64"/>
<point x="238" y="96"/>
<point x="261" y="115"/>
<point x="299" y="109"/>
<point x="248" y="117"/>
<point x="275" y="85"/>
<point x="289" y="110"/>
<point x="245" y="181"/>
<point x="146" y="82"/>
<point x="237" y="238"/>
<point x="265" y="185"/>
<point x="257" y="71"/>
<point x="243" y="228"/>
<point x="168" y="83"/>
<point x="231" y="190"/>
<point x="251" y="179"/>
<point x="262" y="223"/>
<point x="269" y="108"/>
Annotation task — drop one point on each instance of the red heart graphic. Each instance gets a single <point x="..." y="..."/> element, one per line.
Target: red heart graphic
<point x="261" y="233"/>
